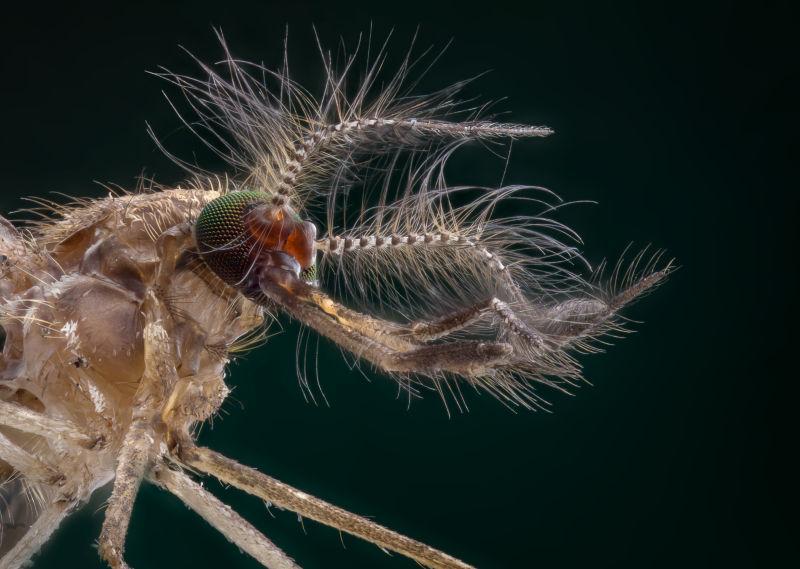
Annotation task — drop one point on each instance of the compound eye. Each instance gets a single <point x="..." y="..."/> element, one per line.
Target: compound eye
<point x="222" y="237"/>
<point x="241" y="231"/>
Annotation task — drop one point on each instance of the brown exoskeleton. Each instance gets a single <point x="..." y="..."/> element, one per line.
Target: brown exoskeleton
<point x="120" y="314"/>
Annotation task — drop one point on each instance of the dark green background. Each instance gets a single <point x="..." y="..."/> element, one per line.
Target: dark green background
<point x="676" y="119"/>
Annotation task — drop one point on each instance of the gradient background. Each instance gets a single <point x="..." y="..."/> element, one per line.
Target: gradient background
<point x="675" y="119"/>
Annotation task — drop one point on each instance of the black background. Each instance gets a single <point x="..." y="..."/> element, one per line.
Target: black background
<point x="679" y="120"/>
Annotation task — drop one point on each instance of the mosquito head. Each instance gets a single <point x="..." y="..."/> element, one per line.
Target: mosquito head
<point x="241" y="232"/>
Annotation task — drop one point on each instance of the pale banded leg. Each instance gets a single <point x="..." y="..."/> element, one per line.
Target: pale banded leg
<point x="31" y="467"/>
<point x="41" y="530"/>
<point x="23" y="419"/>
<point x="289" y="498"/>
<point x="222" y="518"/>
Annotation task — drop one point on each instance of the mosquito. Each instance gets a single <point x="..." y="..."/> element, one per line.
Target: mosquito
<point x="120" y="314"/>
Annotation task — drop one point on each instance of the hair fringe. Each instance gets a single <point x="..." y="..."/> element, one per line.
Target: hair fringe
<point x="409" y="246"/>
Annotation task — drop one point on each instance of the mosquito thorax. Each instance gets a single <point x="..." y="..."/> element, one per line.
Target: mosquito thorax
<point x="241" y="232"/>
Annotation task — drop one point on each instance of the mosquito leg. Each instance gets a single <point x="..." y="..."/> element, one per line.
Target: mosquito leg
<point x="138" y="447"/>
<point x="23" y="419"/>
<point x="160" y="377"/>
<point x="222" y="518"/>
<point x="44" y="526"/>
<point x="22" y="461"/>
<point x="193" y="399"/>
<point x="134" y="460"/>
<point x="284" y="496"/>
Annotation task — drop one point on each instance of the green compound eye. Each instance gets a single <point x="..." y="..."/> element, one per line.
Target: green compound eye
<point x="222" y="236"/>
<point x="242" y="232"/>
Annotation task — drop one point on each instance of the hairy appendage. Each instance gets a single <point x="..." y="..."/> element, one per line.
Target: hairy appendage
<point x="121" y="314"/>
